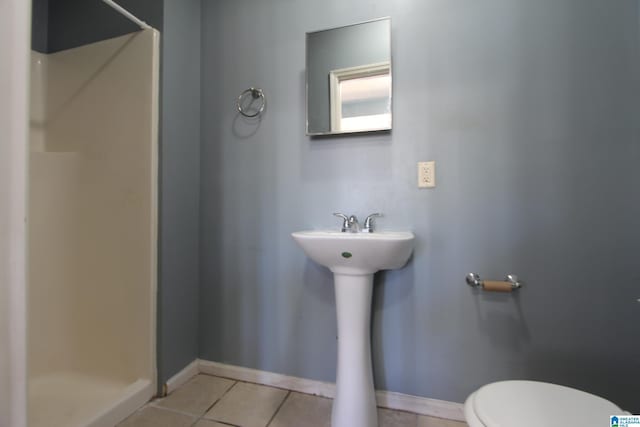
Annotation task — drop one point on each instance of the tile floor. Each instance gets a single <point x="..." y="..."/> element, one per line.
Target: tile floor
<point x="208" y="401"/>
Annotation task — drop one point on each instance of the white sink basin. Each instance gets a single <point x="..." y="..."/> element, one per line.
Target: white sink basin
<point x="354" y="258"/>
<point x="357" y="253"/>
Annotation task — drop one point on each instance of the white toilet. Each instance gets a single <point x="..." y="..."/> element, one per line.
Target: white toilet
<point x="536" y="404"/>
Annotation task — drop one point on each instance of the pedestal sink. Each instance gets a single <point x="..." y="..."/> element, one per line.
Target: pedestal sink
<point x="354" y="258"/>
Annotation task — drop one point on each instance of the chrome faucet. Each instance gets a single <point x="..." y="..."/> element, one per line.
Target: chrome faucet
<point x="349" y="224"/>
<point x="369" y="224"/>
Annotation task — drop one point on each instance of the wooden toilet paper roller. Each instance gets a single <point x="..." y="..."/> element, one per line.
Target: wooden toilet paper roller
<point x="511" y="283"/>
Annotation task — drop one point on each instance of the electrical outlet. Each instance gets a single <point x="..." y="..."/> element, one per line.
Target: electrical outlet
<point x="427" y="174"/>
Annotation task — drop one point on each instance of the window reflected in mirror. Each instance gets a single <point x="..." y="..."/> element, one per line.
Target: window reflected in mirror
<point x="361" y="98"/>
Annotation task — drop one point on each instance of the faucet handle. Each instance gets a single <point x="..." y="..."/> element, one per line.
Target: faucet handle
<point x="369" y="224"/>
<point x="345" y="221"/>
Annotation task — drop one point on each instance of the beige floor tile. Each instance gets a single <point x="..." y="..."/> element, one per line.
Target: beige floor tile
<point x="424" y="421"/>
<point x="303" y="410"/>
<point x="209" y="423"/>
<point x="391" y="418"/>
<point x="197" y="395"/>
<point x="150" y="416"/>
<point x="247" y="405"/>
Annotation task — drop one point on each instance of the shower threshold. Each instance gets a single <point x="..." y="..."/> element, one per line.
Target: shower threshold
<point x="72" y="399"/>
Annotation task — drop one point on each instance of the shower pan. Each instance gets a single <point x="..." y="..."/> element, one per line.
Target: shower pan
<point x="92" y="231"/>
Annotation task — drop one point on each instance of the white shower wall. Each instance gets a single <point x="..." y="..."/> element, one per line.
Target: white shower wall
<point x="93" y="220"/>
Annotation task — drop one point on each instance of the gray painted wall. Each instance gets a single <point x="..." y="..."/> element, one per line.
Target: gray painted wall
<point x="530" y="110"/>
<point x="180" y="188"/>
<point x="39" y="25"/>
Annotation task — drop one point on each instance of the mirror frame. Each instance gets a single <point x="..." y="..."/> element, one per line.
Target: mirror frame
<point x="334" y="78"/>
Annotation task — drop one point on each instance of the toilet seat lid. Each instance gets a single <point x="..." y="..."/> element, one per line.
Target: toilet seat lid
<point x="535" y="404"/>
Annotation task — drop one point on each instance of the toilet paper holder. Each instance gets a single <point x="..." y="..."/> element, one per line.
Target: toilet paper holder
<point x="511" y="283"/>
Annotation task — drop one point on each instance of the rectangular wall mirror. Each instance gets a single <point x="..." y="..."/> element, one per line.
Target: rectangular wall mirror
<point x="349" y="79"/>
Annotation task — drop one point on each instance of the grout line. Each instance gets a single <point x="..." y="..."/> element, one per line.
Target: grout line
<point x="202" y="418"/>
<point x="212" y="421"/>
<point x="214" y="404"/>
<point x="279" y="407"/>
<point x="175" y="411"/>
<point x="266" y="385"/>
<point x="260" y="384"/>
<point x="220" y="398"/>
<point x="154" y="403"/>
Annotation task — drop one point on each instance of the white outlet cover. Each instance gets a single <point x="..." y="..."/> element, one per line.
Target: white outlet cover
<point x="426" y="174"/>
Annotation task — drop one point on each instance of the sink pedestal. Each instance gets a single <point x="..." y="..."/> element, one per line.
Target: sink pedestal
<point x="355" y="401"/>
<point x="354" y="258"/>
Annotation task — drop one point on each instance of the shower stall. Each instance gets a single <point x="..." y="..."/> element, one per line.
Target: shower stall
<point x="92" y="212"/>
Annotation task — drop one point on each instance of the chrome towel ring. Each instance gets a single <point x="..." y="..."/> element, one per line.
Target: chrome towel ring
<point x="255" y="94"/>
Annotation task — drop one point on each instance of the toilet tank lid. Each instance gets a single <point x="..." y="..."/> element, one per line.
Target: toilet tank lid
<point x="535" y="404"/>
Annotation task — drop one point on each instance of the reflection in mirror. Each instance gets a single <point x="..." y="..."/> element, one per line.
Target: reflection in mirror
<point x="360" y="98"/>
<point x="349" y="79"/>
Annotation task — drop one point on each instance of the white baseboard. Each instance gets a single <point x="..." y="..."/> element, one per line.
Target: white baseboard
<point x="272" y="379"/>
<point x="385" y="399"/>
<point x="190" y="371"/>
<point x="420" y="405"/>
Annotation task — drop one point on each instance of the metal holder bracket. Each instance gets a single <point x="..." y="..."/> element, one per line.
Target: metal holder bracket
<point x="511" y="283"/>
